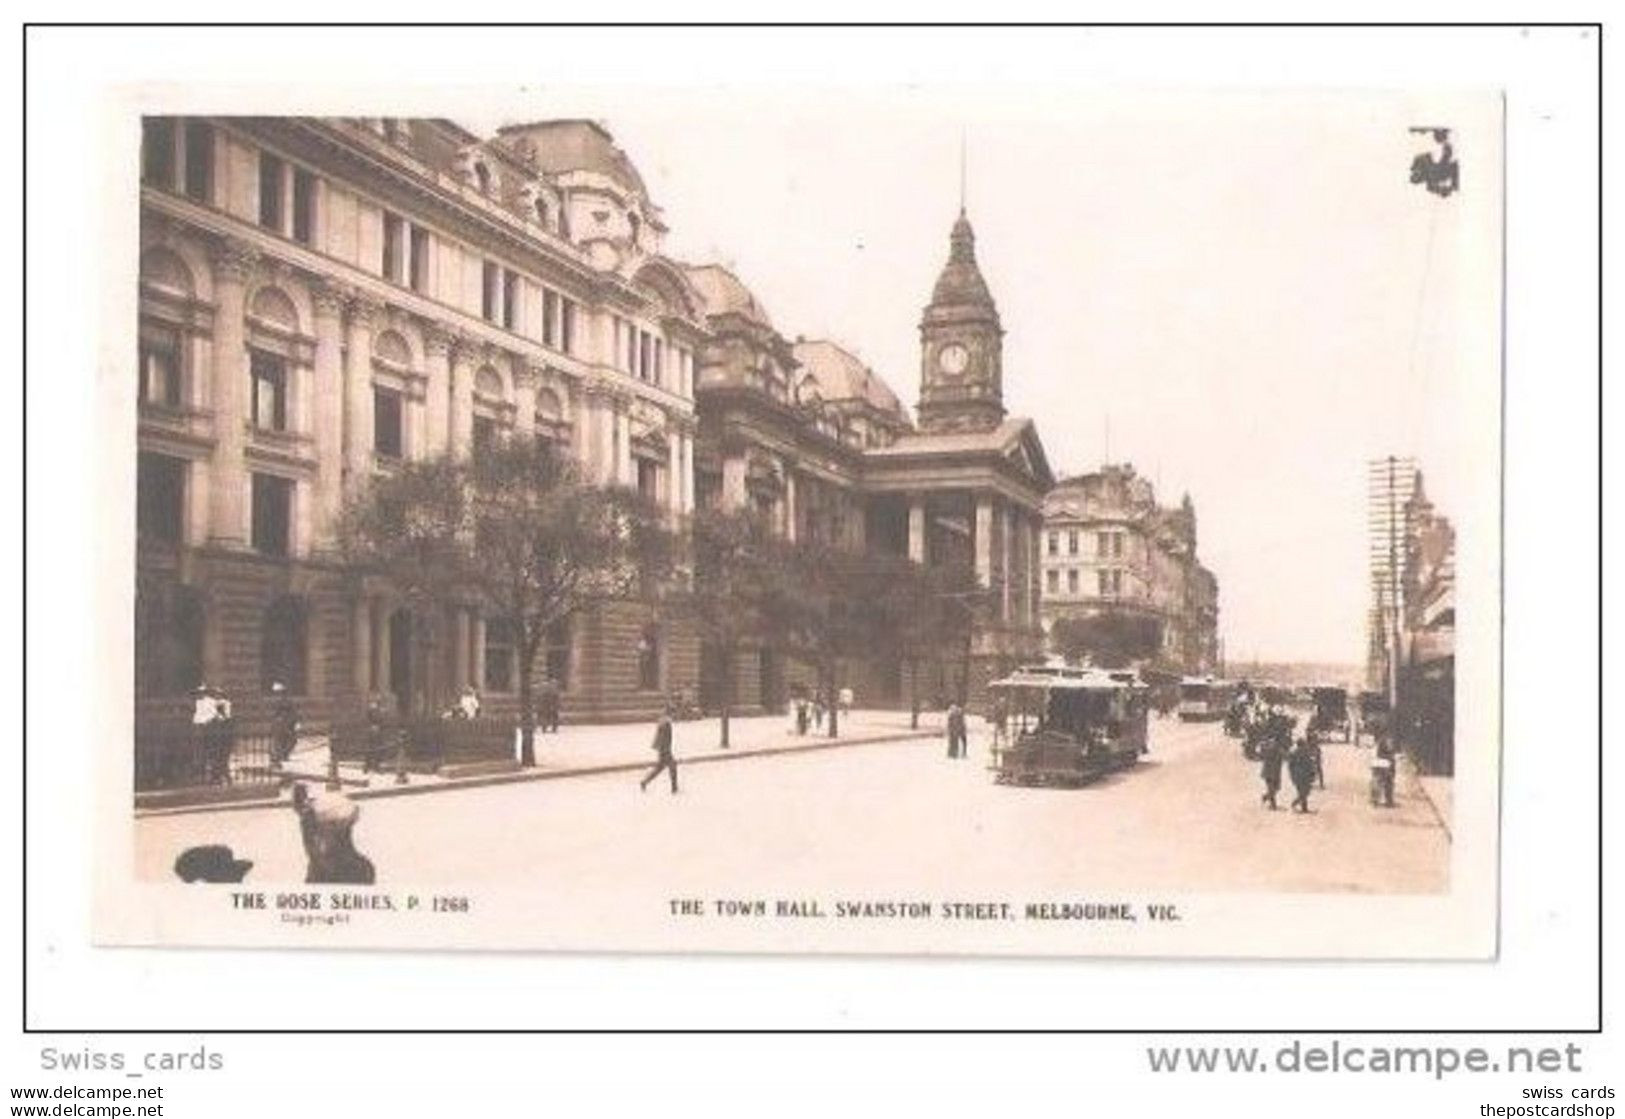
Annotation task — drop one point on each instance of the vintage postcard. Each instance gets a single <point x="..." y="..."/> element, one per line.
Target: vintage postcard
<point x="956" y="520"/>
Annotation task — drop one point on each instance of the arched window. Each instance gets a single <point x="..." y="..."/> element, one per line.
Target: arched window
<point x="273" y="308"/>
<point x="540" y="206"/>
<point x="634" y="226"/>
<point x="283" y="646"/>
<point x="482" y="177"/>
<point x="649" y="658"/>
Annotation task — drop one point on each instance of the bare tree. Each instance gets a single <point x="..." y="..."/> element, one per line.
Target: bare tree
<point x="516" y="526"/>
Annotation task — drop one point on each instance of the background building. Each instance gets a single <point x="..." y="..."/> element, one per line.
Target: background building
<point x="813" y="439"/>
<point x="1126" y="568"/>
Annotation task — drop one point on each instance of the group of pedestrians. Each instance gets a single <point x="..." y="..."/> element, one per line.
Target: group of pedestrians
<point x="1270" y="735"/>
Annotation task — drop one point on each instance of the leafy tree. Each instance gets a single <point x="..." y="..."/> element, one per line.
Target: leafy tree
<point x="1108" y="640"/>
<point x="728" y="590"/>
<point x="923" y="611"/>
<point x="824" y="603"/>
<point x="517" y="526"/>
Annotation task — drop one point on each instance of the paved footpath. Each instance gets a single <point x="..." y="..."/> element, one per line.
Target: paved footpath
<point x="584" y="749"/>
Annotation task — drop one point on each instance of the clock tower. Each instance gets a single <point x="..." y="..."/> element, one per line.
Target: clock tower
<point x="961" y="373"/>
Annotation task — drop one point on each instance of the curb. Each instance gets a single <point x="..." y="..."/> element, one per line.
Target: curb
<point x="523" y="776"/>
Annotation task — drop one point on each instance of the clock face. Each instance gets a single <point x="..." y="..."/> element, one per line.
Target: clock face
<point x="953" y="358"/>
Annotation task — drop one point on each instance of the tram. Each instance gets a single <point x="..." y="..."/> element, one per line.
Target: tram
<point x="1069" y="726"/>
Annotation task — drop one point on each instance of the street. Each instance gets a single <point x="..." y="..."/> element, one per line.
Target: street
<point x="896" y="815"/>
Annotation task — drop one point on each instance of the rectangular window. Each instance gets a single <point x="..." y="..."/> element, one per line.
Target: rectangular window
<point x="268" y="390"/>
<point x="273" y="509"/>
<point x="510" y="298"/>
<point x="1054" y="543"/>
<point x="648" y="480"/>
<point x="420" y="259"/>
<point x="499" y="655"/>
<point x="567" y="325"/>
<point x="1052" y="580"/>
<point x="270" y="191"/>
<point x="550" y="311"/>
<point x="158" y="152"/>
<point x="199" y="152"/>
<point x="389" y="265"/>
<point x="1117" y="582"/>
<point x="160" y="358"/>
<point x="387" y="437"/>
<point x="1072" y="542"/>
<point x="160" y="497"/>
<point x="1072" y="580"/>
<point x="660" y="361"/>
<point x="1103" y="579"/>
<point x="304" y="207"/>
<point x="488" y="291"/>
<point x="485" y="432"/>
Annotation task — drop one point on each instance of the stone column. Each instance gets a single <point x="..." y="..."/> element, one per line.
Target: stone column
<point x="624" y="472"/>
<point x="984" y="541"/>
<point x="733" y="482"/>
<point x="1008" y="523"/>
<point x="1030" y="569"/>
<point x="437" y="403"/>
<point x="525" y="379"/>
<point x="789" y="504"/>
<point x="916" y="529"/>
<point x="674" y="472"/>
<point x="477" y="666"/>
<point x="361" y="626"/>
<point x="460" y="658"/>
<point x="228" y="489"/>
<point x="688" y="472"/>
<point x="327" y="413"/>
<point x="358" y="395"/>
<point x="462" y="400"/>
<point x="384" y="646"/>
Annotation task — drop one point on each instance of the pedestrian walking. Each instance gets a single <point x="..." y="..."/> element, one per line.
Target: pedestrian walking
<point x="1301" y="767"/>
<point x="1382" y="774"/>
<point x="1271" y="760"/>
<point x="548" y="703"/>
<point x="664" y="759"/>
<point x="956" y="731"/>
<point x="284" y="724"/>
<point x="1001" y="722"/>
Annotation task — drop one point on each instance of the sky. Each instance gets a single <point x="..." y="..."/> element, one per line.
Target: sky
<point x="1240" y="291"/>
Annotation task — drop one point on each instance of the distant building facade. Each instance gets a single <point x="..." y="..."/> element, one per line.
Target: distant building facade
<point x="1427" y="678"/>
<point x="1110" y="552"/>
<point x="807" y="435"/>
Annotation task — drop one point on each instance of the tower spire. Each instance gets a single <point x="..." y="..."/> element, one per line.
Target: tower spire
<point x="961" y="170"/>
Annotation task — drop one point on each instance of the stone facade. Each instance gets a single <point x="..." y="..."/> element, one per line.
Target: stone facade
<point x="321" y="300"/>
<point x="808" y="435"/>
<point x="1110" y="549"/>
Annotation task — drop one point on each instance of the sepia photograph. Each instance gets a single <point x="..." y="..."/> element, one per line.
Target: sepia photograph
<point x="909" y="520"/>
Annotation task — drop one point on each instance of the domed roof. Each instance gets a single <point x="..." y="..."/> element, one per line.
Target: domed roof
<point x="840" y="375"/>
<point x="558" y="146"/>
<point x="961" y="280"/>
<point x="723" y="293"/>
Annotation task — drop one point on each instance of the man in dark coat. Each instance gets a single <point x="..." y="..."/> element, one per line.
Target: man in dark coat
<point x="284" y="725"/>
<point x="549" y="703"/>
<point x="1273" y="755"/>
<point x="665" y="760"/>
<point x="956" y="731"/>
<point x="1301" y="765"/>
